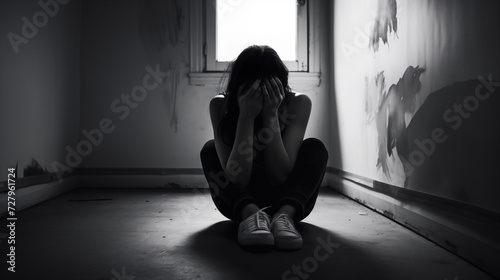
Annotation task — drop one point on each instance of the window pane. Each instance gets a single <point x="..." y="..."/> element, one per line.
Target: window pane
<point x="241" y="23"/>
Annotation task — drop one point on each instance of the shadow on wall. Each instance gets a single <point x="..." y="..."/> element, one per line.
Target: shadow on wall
<point x="450" y="148"/>
<point x="446" y="145"/>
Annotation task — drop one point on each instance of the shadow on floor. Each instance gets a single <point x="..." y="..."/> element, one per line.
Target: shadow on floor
<point x="323" y="256"/>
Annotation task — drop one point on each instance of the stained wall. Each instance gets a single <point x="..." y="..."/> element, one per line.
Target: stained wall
<point x="416" y="87"/>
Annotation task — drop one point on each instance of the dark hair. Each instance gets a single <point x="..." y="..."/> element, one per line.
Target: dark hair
<point x="253" y="63"/>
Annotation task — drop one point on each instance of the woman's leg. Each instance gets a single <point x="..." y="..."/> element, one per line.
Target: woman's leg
<point x="299" y="193"/>
<point x="235" y="203"/>
<point x="230" y="199"/>
<point x="301" y="189"/>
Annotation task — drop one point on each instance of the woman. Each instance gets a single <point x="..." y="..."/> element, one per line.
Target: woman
<point x="261" y="172"/>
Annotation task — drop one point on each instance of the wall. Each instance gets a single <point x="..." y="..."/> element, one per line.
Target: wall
<point x="168" y="126"/>
<point x="437" y="44"/>
<point x="416" y="93"/>
<point x="39" y="85"/>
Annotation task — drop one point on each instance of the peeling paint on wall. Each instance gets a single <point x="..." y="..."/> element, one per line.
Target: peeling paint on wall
<point x="170" y="91"/>
<point x="393" y="106"/>
<point x="160" y="25"/>
<point x="448" y="143"/>
<point x="386" y="22"/>
<point x="34" y="168"/>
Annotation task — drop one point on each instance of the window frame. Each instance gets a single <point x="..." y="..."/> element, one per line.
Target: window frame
<point x="299" y="65"/>
<point x="198" y="74"/>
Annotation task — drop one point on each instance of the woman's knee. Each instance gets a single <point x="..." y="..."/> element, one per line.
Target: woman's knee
<point x="315" y="148"/>
<point x="208" y="150"/>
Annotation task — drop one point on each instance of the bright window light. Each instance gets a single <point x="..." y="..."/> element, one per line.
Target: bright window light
<point x="241" y="23"/>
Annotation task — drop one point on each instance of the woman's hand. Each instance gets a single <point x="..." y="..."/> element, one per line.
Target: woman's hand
<point x="250" y="101"/>
<point x="273" y="93"/>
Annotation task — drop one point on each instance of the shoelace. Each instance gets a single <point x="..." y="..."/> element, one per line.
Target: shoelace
<point x="260" y="218"/>
<point x="282" y="222"/>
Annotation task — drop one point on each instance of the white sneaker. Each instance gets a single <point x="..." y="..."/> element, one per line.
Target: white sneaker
<point x="285" y="234"/>
<point x="254" y="230"/>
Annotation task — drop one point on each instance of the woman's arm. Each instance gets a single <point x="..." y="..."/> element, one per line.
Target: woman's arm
<point x="236" y="160"/>
<point x="282" y="150"/>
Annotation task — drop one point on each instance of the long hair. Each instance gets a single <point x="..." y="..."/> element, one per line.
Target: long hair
<point x="253" y="63"/>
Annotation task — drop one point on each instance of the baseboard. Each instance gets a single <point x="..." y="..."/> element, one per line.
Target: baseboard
<point x="27" y="195"/>
<point x="465" y="230"/>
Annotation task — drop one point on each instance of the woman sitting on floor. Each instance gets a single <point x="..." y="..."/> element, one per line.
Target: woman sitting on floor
<point x="261" y="172"/>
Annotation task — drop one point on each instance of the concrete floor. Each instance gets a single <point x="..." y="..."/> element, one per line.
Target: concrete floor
<point x="127" y="234"/>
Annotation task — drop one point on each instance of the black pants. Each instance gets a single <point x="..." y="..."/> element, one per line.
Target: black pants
<point x="300" y="189"/>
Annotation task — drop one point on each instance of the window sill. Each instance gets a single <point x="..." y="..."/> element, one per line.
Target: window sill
<point x="296" y="79"/>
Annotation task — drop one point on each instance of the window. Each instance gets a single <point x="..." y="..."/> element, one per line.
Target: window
<point x="233" y="25"/>
<point x="214" y="41"/>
